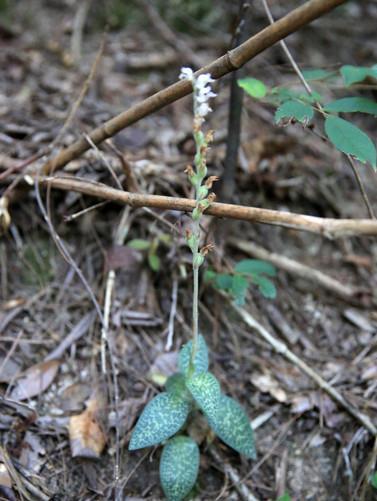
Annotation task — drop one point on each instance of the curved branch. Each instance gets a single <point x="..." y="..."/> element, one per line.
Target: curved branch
<point x="330" y="228"/>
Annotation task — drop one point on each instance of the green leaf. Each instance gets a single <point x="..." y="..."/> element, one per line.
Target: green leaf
<point x="179" y="466"/>
<point x="265" y="286"/>
<point x="253" y="87"/>
<point x="232" y="425"/>
<point x="139" y="244"/>
<point x="294" y="109"/>
<point x="252" y="266"/>
<point x="176" y="385"/>
<point x="201" y="357"/>
<point x="283" y="94"/>
<point x="154" y="262"/>
<point x="161" y="418"/>
<point x="205" y="389"/>
<point x="373" y="480"/>
<point x="317" y="74"/>
<point x="352" y="105"/>
<point x="354" y="74"/>
<point x="223" y="281"/>
<point x="239" y="288"/>
<point x="349" y="139"/>
<point x="284" y="497"/>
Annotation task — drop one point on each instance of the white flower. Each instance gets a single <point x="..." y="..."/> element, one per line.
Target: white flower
<point x="203" y="109"/>
<point x="186" y="74"/>
<point x="203" y="80"/>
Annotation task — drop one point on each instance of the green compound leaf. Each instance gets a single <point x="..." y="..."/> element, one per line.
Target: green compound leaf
<point x="239" y="288"/>
<point x="349" y="139"/>
<point x="294" y="109"/>
<point x="201" y="357"/>
<point x="352" y="105"/>
<point x="255" y="88"/>
<point x="317" y="74"/>
<point x="354" y="74"/>
<point x="205" y="389"/>
<point x="139" y="244"/>
<point x="161" y="418"/>
<point x="265" y="286"/>
<point x="232" y="426"/>
<point x="255" y="266"/>
<point x="179" y="467"/>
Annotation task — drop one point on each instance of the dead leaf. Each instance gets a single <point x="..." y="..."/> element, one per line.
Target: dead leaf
<point x="35" y="380"/>
<point x="74" y="396"/>
<point x="121" y="256"/>
<point x="86" y="436"/>
<point x="32" y="452"/>
<point x="267" y="384"/>
<point x="164" y="366"/>
<point x="8" y="370"/>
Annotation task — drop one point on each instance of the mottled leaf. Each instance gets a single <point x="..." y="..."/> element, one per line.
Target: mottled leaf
<point x="179" y="466"/>
<point x="35" y="380"/>
<point x="294" y="109"/>
<point x="255" y="266"/>
<point x="252" y="86"/>
<point x="239" y="288"/>
<point x="352" y="105"/>
<point x="201" y="357"/>
<point x="349" y="139"/>
<point x="205" y="389"/>
<point x="176" y="385"/>
<point x="232" y="425"/>
<point x="161" y="418"/>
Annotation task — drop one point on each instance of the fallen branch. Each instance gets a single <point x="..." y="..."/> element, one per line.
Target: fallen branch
<point x="227" y="63"/>
<point x="330" y="228"/>
<point x="283" y="349"/>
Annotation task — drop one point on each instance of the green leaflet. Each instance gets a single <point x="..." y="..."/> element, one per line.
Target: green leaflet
<point x="349" y="139"/>
<point x="354" y="74"/>
<point x="265" y="286"/>
<point x="294" y="109"/>
<point x="223" y="281"/>
<point x="161" y="418"/>
<point x="373" y="479"/>
<point x="239" y="288"/>
<point x="352" y="105"/>
<point x="317" y="74"/>
<point x="179" y="467"/>
<point x="255" y="88"/>
<point x="201" y="357"/>
<point x="205" y="389"/>
<point x="232" y="425"/>
<point x="139" y="244"/>
<point x="252" y="266"/>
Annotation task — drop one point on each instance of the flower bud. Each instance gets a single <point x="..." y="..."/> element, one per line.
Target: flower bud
<point x="202" y="192"/>
<point x="198" y="260"/>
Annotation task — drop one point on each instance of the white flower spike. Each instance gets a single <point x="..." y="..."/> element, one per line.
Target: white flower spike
<point x="186" y="74"/>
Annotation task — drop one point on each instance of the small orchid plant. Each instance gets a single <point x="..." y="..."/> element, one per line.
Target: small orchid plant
<point x="193" y="387"/>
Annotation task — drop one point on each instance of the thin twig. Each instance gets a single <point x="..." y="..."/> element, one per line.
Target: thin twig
<point x="361" y="187"/>
<point x="227" y="63"/>
<point x="244" y="492"/>
<point x="283" y="349"/>
<point x="327" y="227"/>
<point x="173" y="310"/>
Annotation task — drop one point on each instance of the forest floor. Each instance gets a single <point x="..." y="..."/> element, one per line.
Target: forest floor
<point x="308" y="445"/>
